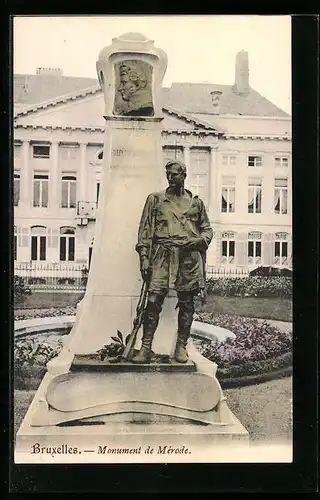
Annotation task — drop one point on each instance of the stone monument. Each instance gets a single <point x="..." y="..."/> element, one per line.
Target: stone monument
<point x="94" y="391"/>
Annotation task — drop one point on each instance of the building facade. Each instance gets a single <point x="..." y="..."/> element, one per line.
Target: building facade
<point x="236" y="145"/>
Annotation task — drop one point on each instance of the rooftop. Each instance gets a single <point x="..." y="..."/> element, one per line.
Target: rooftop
<point x="198" y="98"/>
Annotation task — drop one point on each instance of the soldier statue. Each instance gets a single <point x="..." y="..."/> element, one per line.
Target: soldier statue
<point x="174" y="234"/>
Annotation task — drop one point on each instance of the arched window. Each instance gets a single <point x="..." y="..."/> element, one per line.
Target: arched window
<point x="281" y="253"/>
<point x="227" y="247"/>
<point x="67" y="243"/>
<point x="254" y="247"/>
<point x="38" y="242"/>
<point x="98" y="157"/>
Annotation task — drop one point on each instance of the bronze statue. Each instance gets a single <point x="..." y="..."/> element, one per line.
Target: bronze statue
<point x="133" y="95"/>
<point x="173" y="237"/>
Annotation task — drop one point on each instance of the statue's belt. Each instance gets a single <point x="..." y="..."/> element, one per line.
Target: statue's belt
<point x="169" y="243"/>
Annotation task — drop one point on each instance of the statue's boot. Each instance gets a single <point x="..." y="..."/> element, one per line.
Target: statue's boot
<point x="150" y="323"/>
<point x="185" y="318"/>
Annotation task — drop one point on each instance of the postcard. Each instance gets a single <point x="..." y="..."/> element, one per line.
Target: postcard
<point x="152" y="239"/>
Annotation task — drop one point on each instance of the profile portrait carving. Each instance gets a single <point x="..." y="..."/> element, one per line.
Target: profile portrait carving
<point x="133" y="95"/>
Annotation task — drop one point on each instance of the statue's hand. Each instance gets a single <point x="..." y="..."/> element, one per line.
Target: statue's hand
<point x="194" y="244"/>
<point x="144" y="268"/>
<point x="203" y="296"/>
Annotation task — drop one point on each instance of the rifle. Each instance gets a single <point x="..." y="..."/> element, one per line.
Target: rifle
<point x="138" y="320"/>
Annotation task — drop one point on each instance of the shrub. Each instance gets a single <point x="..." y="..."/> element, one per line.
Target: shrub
<point x="271" y="271"/>
<point x="66" y="281"/>
<point x="30" y="352"/>
<point x="252" y="286"/>
<point x="30" y="359"/>
<point x="20" y="290"/>
<point x="37" y="281"/>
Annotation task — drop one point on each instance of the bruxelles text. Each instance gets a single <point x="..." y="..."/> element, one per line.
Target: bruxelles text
<point x="64" y="449"/>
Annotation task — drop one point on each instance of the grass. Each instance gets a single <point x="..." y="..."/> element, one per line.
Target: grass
<point x="22" y="401"/>
<point x="263" y="409"/>
<point x="38" y="300"/>
<point x="250" y="307"/>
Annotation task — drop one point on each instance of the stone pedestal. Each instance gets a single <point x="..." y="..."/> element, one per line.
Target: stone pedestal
<point x="116" y="415"/>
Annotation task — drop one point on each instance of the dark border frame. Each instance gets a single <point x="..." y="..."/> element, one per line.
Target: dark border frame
<point x="301" y="475"/>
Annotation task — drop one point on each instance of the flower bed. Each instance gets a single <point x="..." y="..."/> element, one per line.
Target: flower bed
<point x="257" y="349"/>
<point x="44" y="313"/>
<point x="30" y="359"/>
<point x="252" y="286"/>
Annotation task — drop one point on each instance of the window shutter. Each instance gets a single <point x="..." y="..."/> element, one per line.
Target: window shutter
<point x="53" y="238"/>
<point x="23" y="237"/>
<point x="218" y="247"/>
<point x="241" y="249"/>
<point x="267" y="248"/>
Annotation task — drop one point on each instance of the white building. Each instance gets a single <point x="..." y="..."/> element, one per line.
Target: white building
<point x="236" y="145"/>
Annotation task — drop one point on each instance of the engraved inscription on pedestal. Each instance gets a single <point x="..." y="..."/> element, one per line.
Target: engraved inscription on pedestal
<point x="133" y="93"/>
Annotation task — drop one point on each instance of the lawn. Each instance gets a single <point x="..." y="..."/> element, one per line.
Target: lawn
<point x="38" y="300"/>
<point x="250" y="307"/>
<point x="263" y="409"/>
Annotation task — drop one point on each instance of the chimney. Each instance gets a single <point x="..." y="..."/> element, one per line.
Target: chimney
<point x="215" y="99"/>
<point x="49" y="71"/>
<point x="241" y="82"/>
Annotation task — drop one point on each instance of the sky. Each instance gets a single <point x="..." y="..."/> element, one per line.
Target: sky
<point x="199" y="48"/>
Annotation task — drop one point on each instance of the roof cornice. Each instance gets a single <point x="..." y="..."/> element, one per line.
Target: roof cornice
<point x="166" y="131"/>
<point x="192" y="119"/>
<point x="94" y="90"/>
<point x="57" y="100"/>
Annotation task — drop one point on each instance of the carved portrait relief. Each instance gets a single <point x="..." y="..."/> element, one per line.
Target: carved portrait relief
<point x="133" y="95"/>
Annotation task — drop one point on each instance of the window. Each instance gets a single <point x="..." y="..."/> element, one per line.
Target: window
<point x="17" y="151"/>
<point x="41" y="151"/>
<point x="281" y="196"/>
<point x="227" y="248"/>
<point x="281" y="161"/>
<point x="254" y="195"/>
<point x="281" y="249"/>
<point x="67" y="243"/>
<point x="16" y="189"/>
<point x="40" y="190"/>
<point x="254" y="161"/>
<point x="100" y="155"/>
<point x="172" y="153"/>
<point x="68" y="152"/>
<point x="15" y="243"/>
<point x="228" y="194"/>
<point x="98" y="192"/>
<point x="68" y="191"/>
<point x="38" y="243"/>
<point x="254" y="248"/>
<point x="198" y="174"/>
<point x="229" y="160"/>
